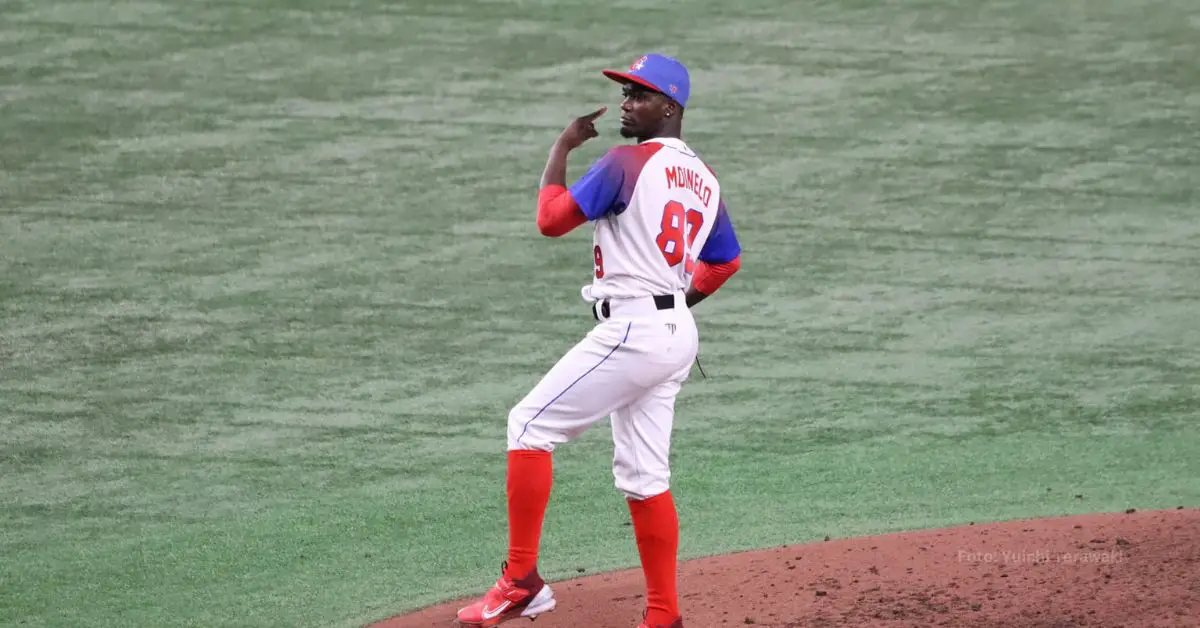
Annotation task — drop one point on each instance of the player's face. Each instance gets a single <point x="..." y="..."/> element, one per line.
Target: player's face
<point x="642" y="111"/>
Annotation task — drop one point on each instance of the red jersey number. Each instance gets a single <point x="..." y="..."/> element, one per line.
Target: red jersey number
<point x="678" y="223"/>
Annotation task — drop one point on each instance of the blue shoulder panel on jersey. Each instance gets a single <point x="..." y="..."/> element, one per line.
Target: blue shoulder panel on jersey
<point x="596" y="192"/>
<point x="722" y="244"/>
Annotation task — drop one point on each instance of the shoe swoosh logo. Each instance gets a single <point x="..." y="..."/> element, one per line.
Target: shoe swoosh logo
<point x="492" y="613"/>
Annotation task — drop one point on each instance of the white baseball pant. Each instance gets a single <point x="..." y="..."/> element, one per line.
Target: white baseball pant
<point x="629" y="367"/>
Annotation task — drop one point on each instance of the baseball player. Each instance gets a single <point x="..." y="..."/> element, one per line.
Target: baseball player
<point x="663" y="242"/>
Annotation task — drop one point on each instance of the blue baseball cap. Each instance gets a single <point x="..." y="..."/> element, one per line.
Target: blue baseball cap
<point x="660" y="73"/>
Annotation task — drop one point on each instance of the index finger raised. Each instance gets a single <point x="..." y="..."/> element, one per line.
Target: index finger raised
<point x="595" y="114"/>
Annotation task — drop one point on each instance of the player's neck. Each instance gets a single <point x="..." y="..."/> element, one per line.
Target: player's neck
<point x="663" y="133"/>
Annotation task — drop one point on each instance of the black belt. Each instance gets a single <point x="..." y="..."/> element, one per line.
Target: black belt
<point x="601" y="310"/>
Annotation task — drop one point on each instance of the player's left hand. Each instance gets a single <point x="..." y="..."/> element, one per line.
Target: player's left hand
<point x="580" y="130"/>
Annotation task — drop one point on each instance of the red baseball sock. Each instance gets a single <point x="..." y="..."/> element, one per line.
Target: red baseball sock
<point x="530" y="476"/>
<point x="656" y="526"/>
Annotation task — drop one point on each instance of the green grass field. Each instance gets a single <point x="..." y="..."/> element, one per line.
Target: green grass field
<point x="270" y="282"/>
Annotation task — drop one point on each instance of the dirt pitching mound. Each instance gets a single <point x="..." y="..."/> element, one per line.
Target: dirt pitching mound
<point x="1129" y="570"/>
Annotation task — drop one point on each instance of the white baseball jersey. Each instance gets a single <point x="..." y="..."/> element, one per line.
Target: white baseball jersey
<point x="658" y="210"/>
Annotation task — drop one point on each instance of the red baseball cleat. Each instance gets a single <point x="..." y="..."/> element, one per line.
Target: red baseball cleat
<point x="508" y="600"/>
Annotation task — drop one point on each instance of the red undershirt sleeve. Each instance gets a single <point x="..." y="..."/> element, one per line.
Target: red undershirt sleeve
<point x="709" y="277"/>
<point x="557" y="211"/>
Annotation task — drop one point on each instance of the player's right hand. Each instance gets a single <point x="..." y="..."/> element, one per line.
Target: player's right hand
<point x="581" y="129"/>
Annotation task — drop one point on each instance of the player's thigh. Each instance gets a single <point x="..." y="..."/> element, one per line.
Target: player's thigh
<point x="588" y="383"/>
<point x="642" y="442"/>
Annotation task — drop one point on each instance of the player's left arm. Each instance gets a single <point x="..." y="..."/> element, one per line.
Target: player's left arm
<point x="558" y="210"/>
<point x="720" y="258"/>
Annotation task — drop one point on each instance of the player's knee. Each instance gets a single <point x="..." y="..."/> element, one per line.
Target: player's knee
<point x="524" y="432"/>
<point x="642" y="484"/>
<point x="517" y="428"/>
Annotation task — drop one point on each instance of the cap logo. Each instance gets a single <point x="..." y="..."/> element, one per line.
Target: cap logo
<point x="674" y="90"/>
<point x="637" y="65"/>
